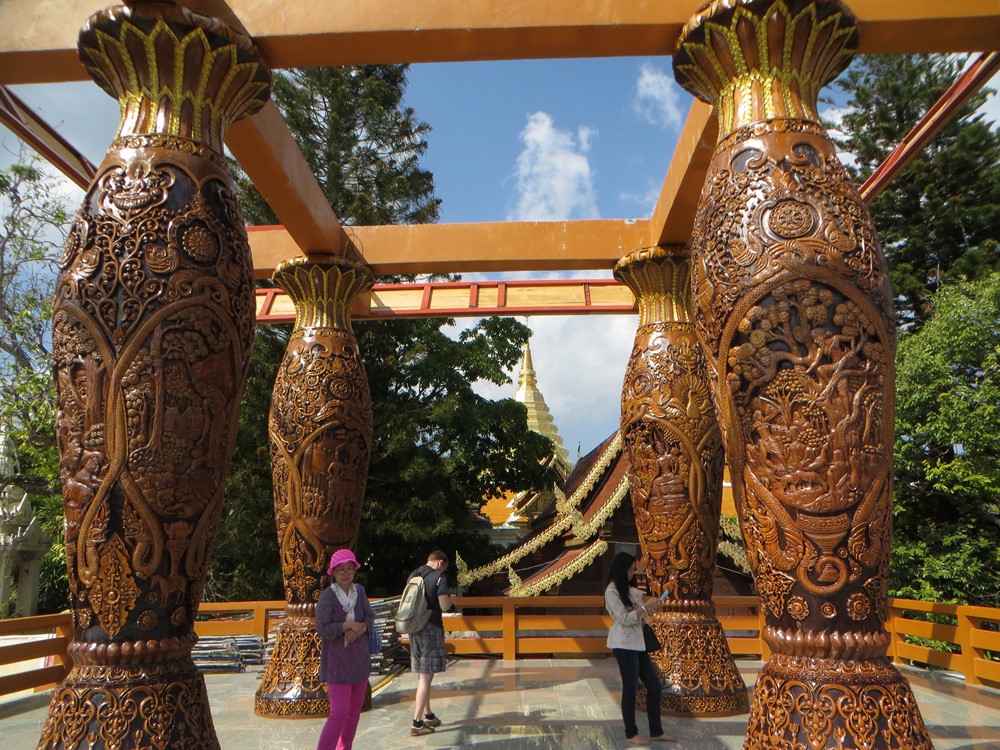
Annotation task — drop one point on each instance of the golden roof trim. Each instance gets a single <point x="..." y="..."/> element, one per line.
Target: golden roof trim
<point x="561" y="574"/>
<point x="564" y="521"/>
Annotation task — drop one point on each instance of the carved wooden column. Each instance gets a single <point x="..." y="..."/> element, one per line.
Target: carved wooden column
<point x="674" y="449"/>
<point x="152" y="326"/>
<point x="321" y="434"/>
<point x="795" y="311"/>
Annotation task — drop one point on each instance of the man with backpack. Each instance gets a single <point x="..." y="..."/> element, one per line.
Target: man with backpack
<point x="427" y="654"/>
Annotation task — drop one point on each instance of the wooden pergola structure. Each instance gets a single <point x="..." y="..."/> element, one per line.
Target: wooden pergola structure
<point x="38" y="45"/>
<point x="762" y="295"/>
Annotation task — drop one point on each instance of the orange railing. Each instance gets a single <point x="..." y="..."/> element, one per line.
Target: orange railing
<point x="520" y="630"/>
<point x="976" y="630"/>
<point x="59" y="629"/>
<point x="513" y="628"/>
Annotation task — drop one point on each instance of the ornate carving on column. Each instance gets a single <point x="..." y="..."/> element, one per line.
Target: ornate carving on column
<point x="321" y="433"/>
<point x="795" y="312"/>
<point x="152" y="326"/>
<point x="674" y="449"/>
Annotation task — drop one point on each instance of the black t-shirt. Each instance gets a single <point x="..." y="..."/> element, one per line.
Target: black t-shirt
<point x="435" y="585"/>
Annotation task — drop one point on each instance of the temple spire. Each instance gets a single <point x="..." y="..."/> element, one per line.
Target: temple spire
<point x="539" y="418"/>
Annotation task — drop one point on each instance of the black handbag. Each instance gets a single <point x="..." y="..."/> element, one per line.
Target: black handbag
<point x="649" y="636"/>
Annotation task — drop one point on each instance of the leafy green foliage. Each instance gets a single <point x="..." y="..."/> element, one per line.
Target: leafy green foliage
<point x="947" y="512"/>
<point x="245" y="561"/>
<point x="438" y="447"/>
<point x="33" y="222"/>
<point x="939" y="221"/>
<point x="53" y="585"/>
<point x="32" y="227"/>
<point x="361" y="143"/>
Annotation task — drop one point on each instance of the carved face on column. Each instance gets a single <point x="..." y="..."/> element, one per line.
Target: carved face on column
<point x="669" y="428"/>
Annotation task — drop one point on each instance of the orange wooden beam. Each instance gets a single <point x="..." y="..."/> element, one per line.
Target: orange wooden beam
<point x="465" y="248"/>
<point x="42" y="137"/>
<point x="673" y="215"/>
<point x="38" y="42"/>
<point x="909" y="26"/>
<point x="269" y="155"/>
<point x="267" y="152"/>
<point x="471" y="299"/>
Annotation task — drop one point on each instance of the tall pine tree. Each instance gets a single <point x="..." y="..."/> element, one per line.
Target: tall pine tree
<point x="939" y="221"/>
<point x="437" y="445"/>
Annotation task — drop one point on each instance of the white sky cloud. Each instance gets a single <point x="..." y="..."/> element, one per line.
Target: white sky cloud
<point x="646" y="200"/>
<point x="580" y="363"/>
<point x="658" y="98"/>
<point x="992" y="106"/>
<point x="554" y="178"/>
<point x="834" y="116"/>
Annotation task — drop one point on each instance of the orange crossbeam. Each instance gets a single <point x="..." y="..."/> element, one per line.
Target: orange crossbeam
<point x="490" y="247"/>
<point x="472" y="299"/>
<point x="38" y="42"/>
<point x="42" y="137"/>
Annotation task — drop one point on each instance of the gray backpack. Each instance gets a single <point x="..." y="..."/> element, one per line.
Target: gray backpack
<point x="413" y="612"/>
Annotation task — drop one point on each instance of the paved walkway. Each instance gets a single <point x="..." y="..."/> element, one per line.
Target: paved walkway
<point x="497" y="705"/>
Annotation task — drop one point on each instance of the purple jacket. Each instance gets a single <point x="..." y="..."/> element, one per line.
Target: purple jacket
<point x="339" y="663"/>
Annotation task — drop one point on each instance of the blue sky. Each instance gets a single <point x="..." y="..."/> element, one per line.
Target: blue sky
<point x="549" y="140"/>
<point x="527" y="140"/>
<point x="491" y="118"/>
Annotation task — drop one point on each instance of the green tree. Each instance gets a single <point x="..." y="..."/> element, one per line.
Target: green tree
<point x="236" y="573"/>
<point x="946" y="544"/>
<point x="362" y="144"/>
<point x="939" y="221"/>
<point x="33" y="224"/>
<point x="437" y="445"/>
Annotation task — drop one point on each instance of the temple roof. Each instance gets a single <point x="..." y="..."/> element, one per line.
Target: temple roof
<point x="568" y="564"/>
<point x="592" y="492"/>
<point x="519" y="509"/>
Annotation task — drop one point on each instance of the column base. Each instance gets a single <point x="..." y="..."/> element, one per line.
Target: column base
<point x="158" y="706"/>
<point x="290" y="687"/>
<point x="700" y="676"/>
<point x="819" y="703"/>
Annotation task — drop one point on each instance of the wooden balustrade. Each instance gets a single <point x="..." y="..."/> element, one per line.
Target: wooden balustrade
<point x="976" y="630"/>
<point x="565" y="625"/>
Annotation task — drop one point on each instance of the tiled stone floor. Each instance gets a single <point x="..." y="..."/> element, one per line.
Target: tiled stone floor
<point x="498" y="705"/>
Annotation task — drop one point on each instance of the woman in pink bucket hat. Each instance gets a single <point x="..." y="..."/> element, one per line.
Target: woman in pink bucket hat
<point x="344" y="619"/>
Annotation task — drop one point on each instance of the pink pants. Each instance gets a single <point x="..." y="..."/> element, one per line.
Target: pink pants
<point x="345" y="711"/>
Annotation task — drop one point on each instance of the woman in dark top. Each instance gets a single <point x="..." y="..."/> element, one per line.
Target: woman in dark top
<point x="343" y="618"/>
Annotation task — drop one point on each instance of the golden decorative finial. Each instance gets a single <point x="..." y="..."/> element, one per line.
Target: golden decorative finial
<point x="539" y="417"/>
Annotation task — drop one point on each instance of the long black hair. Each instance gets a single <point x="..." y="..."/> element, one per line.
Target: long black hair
<point x="619" y="576"/>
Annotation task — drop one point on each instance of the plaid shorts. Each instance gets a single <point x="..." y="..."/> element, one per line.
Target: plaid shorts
<point x="427" y="654"/>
